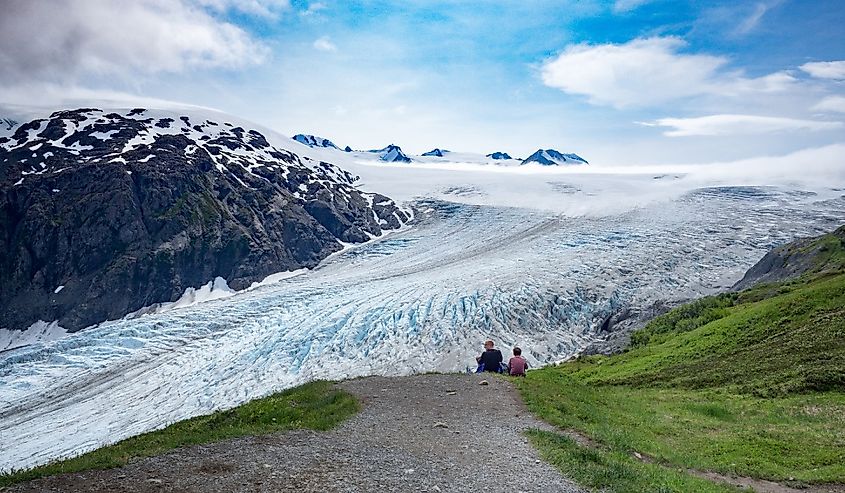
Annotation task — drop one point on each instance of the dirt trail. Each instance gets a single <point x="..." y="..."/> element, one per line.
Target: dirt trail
<point x="430" y="433"/>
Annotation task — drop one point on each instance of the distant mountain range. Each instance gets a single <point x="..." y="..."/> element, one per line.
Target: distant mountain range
<point x="393" y="153"/>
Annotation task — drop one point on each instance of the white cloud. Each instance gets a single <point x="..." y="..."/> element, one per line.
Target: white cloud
<point x="325" y="44"/>
<point x="825" y="70"/>
<point x="265" y="8"/>
<point x="119" y="38"/>
<point x="831" y="103"/>
<point x="750" y="22"/>
<point x="51" y="97"/>
<point x="732" y="125"/>
<point x="621" y="6"/>
<point x="650" y="71"/>
<point x="314" y="8"/>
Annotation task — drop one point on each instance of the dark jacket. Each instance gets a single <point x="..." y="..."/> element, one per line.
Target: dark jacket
<point x="492" y="360"/>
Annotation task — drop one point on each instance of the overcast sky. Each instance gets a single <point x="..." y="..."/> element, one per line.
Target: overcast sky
<point x="618" y="82"/>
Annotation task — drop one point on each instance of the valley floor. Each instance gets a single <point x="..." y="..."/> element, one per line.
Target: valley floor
<point x="433" y="433"/>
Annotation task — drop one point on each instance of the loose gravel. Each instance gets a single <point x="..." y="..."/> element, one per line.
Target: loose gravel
<point x="427" y="433"/>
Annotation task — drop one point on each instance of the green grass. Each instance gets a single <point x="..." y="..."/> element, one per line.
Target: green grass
<point x="749" y="383"/>
<point x="317" y="405"/>
<point x="779" y="438"/>
<point x="790" y="343"/>
<point x="615" y="471"/>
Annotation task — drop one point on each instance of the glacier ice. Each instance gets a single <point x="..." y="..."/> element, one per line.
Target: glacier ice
<point x="416" y="300"/>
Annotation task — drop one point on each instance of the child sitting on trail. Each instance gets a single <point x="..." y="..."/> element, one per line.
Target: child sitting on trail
<point x="517" y="365"/>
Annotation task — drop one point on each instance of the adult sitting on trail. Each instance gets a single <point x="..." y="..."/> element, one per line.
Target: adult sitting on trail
<point x="517" y="365"/>
<point x="490" y="359"/>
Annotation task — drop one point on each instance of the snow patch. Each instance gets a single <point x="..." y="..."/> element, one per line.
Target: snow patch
<point x="104" y="135"/>
<point x="277" y="277"/>
<point x="40" y="331"/>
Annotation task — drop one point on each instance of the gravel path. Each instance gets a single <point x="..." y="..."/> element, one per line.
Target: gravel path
<point x="427" y="433"/>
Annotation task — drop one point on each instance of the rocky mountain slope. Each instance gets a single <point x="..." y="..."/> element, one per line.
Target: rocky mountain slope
<point x="810" y="255"/>
<point x="103" y="213"/>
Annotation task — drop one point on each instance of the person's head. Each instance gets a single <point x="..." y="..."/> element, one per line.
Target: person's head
<point x="488" y="344"/>
<point x="517" y="351"/>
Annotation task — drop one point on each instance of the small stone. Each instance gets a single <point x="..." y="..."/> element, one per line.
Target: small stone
<point x="484" y="382"/>
<point x="268" y="466"/>
<point x="638" y="455"/>
<point x="409" y="471"/>
<point x="154" y="481"/>
<point x="451" y="392"/>
<point x="537" y="461"/>
<point x="435" y="488"/>
<point x="440" y="424"/>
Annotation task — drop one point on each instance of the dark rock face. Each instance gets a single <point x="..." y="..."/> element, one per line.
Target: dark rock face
<point x="435" y="152"/>
<point x="129" y="209"/>
<point x="796" y="259"/>
<point x="615" y="331"/>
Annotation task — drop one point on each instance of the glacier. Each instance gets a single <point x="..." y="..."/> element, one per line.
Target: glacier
<point x="535" y="259"/>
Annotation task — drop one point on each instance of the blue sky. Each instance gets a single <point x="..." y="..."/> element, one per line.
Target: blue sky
<point x="620" y="82"/>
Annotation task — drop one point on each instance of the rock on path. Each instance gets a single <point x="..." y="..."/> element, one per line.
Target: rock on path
<point x="432" y="433"/>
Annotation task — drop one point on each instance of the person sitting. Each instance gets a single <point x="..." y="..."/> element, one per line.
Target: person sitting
<point x="490" y="359"/>
<point x="517" y="365"/>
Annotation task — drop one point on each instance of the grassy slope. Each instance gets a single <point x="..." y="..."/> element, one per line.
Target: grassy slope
<point x="316" y="405"/>
<point x="749" y="383"/>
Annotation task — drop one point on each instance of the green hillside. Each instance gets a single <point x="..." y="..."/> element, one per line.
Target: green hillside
<point x="749" y="383"/>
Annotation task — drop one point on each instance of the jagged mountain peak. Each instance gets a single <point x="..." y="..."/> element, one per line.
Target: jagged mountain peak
<point x="436" y="152"/>
<point x="499" y="155"/>
<point x="314" y="141"/>
<point x="551" y="157"/>
<point x="392" y="154"/>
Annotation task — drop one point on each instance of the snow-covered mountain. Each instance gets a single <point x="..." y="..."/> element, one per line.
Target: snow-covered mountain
<point x="551" y="157"/>
<point x="314" y="141"/>
<point x="499" y="155"/>
<point x="392" y="154"/>
<point x="106" y="212"/>
<point x="436" y="152"/>
<point x="7" y="124"/>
